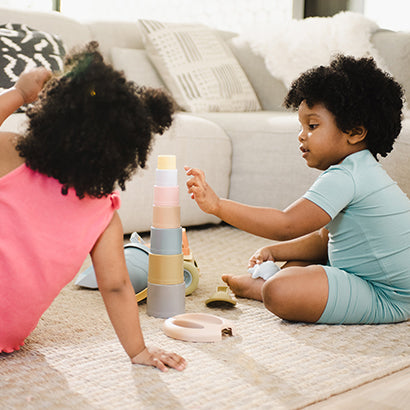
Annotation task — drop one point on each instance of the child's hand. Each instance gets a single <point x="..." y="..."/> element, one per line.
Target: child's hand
<point x="30" y="83"/>
<point x="160" y="359"/>
<point x="199" y="190"/>
<point x="261" y="255"/>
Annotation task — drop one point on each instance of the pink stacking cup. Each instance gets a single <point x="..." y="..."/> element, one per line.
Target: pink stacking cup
<point x="166" y="195"/>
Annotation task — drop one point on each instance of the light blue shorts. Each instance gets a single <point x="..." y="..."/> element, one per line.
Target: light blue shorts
<point x="353" y="300"/>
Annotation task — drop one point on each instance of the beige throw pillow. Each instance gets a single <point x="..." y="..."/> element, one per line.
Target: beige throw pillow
<point x="136" y="66"/>
<point x="198" y="67"/>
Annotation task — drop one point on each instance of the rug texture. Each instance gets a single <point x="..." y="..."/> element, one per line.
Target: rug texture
<point x="74" y="360"/>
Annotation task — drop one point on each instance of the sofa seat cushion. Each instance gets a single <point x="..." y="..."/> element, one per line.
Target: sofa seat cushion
<point x="266" y="160"/>
<point x="198" y="67"/>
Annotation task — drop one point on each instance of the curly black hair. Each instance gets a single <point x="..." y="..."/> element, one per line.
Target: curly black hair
<point x="91" y="128"/>
<point x="357" y="93"/>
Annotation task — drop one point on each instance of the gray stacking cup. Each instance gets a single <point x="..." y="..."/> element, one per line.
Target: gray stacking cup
<point x="165" y="301"/>
<point x="166" y="241"/>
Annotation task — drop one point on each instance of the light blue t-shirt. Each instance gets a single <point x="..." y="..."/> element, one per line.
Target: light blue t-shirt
<point x="369" y="234"/>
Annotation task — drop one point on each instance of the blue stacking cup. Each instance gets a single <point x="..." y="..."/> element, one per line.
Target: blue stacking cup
<point x="166" y="241"/>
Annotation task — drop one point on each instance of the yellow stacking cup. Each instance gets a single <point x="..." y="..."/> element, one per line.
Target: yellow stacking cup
<point x="166" y="269"/>
<point x="166" y="162"/>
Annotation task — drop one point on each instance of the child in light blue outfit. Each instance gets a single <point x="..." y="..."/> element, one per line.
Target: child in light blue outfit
<point x="346" y="242"/>
<point x="369" y="250"/>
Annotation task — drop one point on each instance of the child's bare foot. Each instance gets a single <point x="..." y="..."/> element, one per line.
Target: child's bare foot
<point x="245" y="286"/>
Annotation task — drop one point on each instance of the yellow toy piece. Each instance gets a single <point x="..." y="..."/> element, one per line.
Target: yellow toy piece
<point x="221" y="298"/>
<point x="191" y="269"/>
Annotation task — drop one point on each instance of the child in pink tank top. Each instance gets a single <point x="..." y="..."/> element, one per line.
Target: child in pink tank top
<point x="89" y="130"/>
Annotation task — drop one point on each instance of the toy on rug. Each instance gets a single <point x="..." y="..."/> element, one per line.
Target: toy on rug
<point x="198" y="327"/>
<point x="136" y="257"/>
<point x="221" y="298"/>
<point x="264" y="270"/>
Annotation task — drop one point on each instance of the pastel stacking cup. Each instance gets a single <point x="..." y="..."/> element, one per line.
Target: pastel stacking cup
<point x="166" y="269"/>
<point x="166" y="195"/>
<point x="166" y="285"/>
<point x="165" y="301"/>
<point x="166" y="241"/>
<point x="166" y="217"/>
<point x="166" y="177"/>
<point x="166" y="162"/>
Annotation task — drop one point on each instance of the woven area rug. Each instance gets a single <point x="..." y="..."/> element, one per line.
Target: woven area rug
<point x="74" y="360"/>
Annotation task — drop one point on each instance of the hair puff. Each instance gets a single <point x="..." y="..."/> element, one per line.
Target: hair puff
<point x="91" y="128"/>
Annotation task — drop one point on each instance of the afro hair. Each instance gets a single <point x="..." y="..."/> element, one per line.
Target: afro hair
<point x="91" y="128"/>
<point x="357" y="93"/>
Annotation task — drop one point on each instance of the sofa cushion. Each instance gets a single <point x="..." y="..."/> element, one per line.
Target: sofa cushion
<point x="110" y="34"/>
<point x="198" y="67"/>
<point x="136" y="66"/>
<point x="267" y="165"/>
<point x="271" y="91"/>
<point x="394" y="48"/>
<point x="397" y="163"/>
<point x="23" y="48"/>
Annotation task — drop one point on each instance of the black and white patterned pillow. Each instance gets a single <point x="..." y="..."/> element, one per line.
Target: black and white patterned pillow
<point x="22" y="48"/>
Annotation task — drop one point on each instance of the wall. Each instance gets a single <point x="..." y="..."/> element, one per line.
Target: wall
<point x="226" y="14"/>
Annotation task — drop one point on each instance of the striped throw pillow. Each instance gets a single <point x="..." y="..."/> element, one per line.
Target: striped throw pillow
<point x="198" y="67"/>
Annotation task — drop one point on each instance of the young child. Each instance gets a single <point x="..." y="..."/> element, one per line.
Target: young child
<point x="89" y="130"/>
<point x="346" y="242"/>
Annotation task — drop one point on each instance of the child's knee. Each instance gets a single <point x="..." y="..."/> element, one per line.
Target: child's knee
<point x="297" y="293"/>
<point x="274" y="294"/>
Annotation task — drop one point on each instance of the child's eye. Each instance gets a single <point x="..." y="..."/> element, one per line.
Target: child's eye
<point x="313" y="126"/>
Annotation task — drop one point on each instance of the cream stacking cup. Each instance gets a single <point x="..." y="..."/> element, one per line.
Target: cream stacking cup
<point x="166" y="286"/>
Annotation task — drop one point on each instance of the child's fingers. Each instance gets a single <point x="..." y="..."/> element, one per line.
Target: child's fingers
<point x="45" y="75"/>
<point x="194" y="172"/>
<point x="160" y="359"/>
<point x="174" y="360"/>
<point x="159" y="365"/>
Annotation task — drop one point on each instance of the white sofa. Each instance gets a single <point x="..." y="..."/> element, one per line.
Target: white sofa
<point x="250" y="157"/>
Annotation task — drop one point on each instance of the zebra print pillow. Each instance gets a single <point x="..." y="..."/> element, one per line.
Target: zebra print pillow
<point x="197" y="67"/>
<point x="22" y="48"/>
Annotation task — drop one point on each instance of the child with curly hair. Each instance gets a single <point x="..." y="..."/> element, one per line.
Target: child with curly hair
<point x="88" y="131"/>
<point x="346" y="242"/>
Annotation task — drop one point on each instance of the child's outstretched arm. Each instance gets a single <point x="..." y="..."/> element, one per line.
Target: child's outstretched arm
<point x="25" y="91"/>
<point x="300" y="218"/>
<point x="119" y="298"/>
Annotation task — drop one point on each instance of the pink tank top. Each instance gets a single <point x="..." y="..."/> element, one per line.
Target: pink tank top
<point x="44" y="239"/>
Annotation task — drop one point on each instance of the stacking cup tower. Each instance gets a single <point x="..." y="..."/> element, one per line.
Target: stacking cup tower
<point x="166" y="286"/>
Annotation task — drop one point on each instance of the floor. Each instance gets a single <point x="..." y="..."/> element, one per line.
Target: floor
<point x="391" y="392"/>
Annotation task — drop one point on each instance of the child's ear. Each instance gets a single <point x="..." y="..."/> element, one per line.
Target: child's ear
<point x="356" y="135"/>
